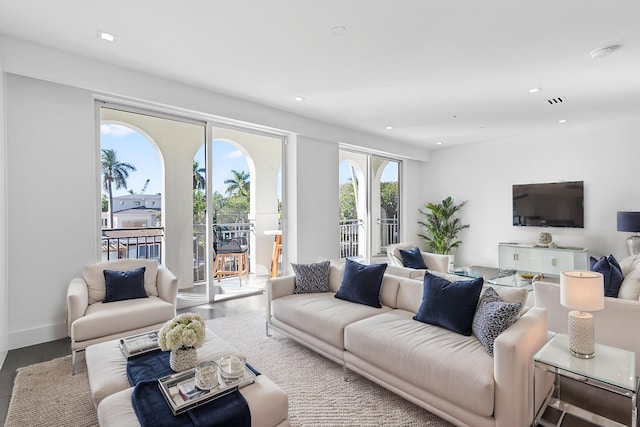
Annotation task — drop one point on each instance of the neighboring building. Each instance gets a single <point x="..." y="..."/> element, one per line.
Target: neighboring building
<point x="135" y="211"/>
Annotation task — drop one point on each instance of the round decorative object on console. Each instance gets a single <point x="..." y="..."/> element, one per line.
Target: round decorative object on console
<point x="544" y="239"/>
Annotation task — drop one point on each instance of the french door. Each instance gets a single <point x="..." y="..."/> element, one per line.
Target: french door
<point x="369" y="192"/>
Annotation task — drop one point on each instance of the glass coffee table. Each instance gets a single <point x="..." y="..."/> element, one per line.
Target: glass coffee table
<point x="500" y="276"/>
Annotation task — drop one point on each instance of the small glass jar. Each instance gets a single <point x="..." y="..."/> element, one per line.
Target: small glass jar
<point x="231" y="368"/>
<point x="206" y="375"/>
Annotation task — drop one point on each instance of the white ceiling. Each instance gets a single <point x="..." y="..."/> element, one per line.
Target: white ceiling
<point x="453" y="71"/>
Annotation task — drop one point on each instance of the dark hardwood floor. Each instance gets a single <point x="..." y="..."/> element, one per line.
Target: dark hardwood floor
<point x="51" y="350"/>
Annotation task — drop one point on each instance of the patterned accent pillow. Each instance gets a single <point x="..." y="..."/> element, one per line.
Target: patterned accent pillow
<point x="311" y="278"/>
<point x="493" y="316"/>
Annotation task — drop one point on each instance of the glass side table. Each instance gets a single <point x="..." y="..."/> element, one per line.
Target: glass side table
<point x="612" y="369"/>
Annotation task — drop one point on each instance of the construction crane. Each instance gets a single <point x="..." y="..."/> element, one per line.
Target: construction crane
<point x="144" y="188"/>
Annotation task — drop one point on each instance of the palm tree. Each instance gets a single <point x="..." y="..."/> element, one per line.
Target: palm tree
<point x="239" y="184"/>
<point x="116" y="171"/>
<point x="199" y="182"/>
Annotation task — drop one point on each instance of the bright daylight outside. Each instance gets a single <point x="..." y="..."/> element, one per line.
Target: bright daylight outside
<point x="353" y="200"/>
<point x="132" y="185"/>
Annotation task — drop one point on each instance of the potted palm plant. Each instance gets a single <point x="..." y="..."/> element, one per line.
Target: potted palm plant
<point x="442" y="227"/>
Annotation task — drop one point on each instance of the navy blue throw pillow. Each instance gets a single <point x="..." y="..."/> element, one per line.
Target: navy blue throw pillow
<point x="450" y="305"/>
<point x="122" y="285"/>
<point x="610" y="269"/>
<point x="412" y="258"/>
<point x="361" y="283"/>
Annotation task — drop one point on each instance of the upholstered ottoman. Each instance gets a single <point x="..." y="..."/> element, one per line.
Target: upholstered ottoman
<point x="267" y="402"/>
<point x="107" y="367"/>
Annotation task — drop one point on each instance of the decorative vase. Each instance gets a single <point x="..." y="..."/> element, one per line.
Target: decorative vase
<point x="183" y="359"/>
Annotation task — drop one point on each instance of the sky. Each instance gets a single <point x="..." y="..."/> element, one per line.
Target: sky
<point x="134" y="148"/>
<point x="389" y="174"/>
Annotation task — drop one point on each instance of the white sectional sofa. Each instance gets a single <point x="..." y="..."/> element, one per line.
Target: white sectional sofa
<point x="449" y="374"/>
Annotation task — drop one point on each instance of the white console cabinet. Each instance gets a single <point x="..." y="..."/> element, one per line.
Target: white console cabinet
<point x="537" y="259"/>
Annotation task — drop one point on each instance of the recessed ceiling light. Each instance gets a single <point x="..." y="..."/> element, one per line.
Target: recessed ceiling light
<point x="106" y="36"/>
<point x="299" y="98"/>
<point x="389" y="127"/>
<point x="339" y="30"/>
<point x="535" y="89"/>
<point x="439" y="143"/>
<point x="562" y="121"/>
<point x="602" y="52"/>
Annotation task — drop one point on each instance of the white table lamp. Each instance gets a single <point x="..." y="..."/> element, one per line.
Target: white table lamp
<point x="582" y="291"/>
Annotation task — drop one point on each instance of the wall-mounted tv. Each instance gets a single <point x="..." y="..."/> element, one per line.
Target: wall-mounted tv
<point x="555" y="204"/>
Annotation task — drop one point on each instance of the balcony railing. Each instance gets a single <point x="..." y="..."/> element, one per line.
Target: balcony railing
<point x="349" y="232"/>
<point x="223" y="231"/>
<point x="388" y="233"/>
<point x="143" y="242"/>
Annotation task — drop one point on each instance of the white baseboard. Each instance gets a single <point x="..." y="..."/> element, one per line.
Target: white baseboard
<point x="27" y="337"/>
<point x="3" y="356"/>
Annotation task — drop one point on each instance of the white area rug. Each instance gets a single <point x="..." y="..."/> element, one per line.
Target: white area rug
<point x="316" y="387"/>
<point x="47" y="395"/>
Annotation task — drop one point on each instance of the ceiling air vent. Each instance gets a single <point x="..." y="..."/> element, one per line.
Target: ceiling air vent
<point x="557" y="100"/>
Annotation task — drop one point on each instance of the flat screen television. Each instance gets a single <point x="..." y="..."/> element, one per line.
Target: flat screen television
<point x="555" y="204"/>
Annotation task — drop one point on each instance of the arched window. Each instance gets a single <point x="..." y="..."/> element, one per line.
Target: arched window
<point x="131" y="203"/>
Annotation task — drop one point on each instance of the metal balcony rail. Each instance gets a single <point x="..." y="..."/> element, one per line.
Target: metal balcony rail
<point x="389" y="233"/>
<point x="349" y="232"/>
<point x="142" y="242"/>
<point x="223" y="231"/>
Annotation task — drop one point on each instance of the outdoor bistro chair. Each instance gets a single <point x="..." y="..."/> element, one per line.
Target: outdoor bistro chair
<point x="231" y="258"/>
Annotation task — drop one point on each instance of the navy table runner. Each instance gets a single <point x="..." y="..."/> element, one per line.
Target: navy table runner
<point x="148" y="366"/>
<point x="152" y="409"/>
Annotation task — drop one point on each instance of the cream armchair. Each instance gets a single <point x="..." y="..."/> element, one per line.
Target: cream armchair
<point x="90" y="320"/>
<point x="434" y="262"/>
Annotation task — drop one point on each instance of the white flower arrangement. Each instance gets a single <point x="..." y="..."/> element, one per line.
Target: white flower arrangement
<point x="183" y="331"/>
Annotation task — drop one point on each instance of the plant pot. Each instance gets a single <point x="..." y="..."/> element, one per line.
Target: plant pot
<point x="183" y="359"/>
<point x="451" y="260"/>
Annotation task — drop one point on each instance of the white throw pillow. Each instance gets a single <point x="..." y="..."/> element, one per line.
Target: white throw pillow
<point x="630" y="263"/>
<point x="630" y="287"/>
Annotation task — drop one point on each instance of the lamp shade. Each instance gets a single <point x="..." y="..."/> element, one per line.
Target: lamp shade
<point x="582" y="290"/>
<point x="628" y="221"/>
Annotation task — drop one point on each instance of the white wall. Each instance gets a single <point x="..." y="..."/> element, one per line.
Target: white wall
<point x="51" y="205"/>
<point x="52" y="153"/>
<point x="28" y="59"/>
<point x="312" y="200"/>
<point x="4" y="301"/>
<point x="603" y="155"/>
